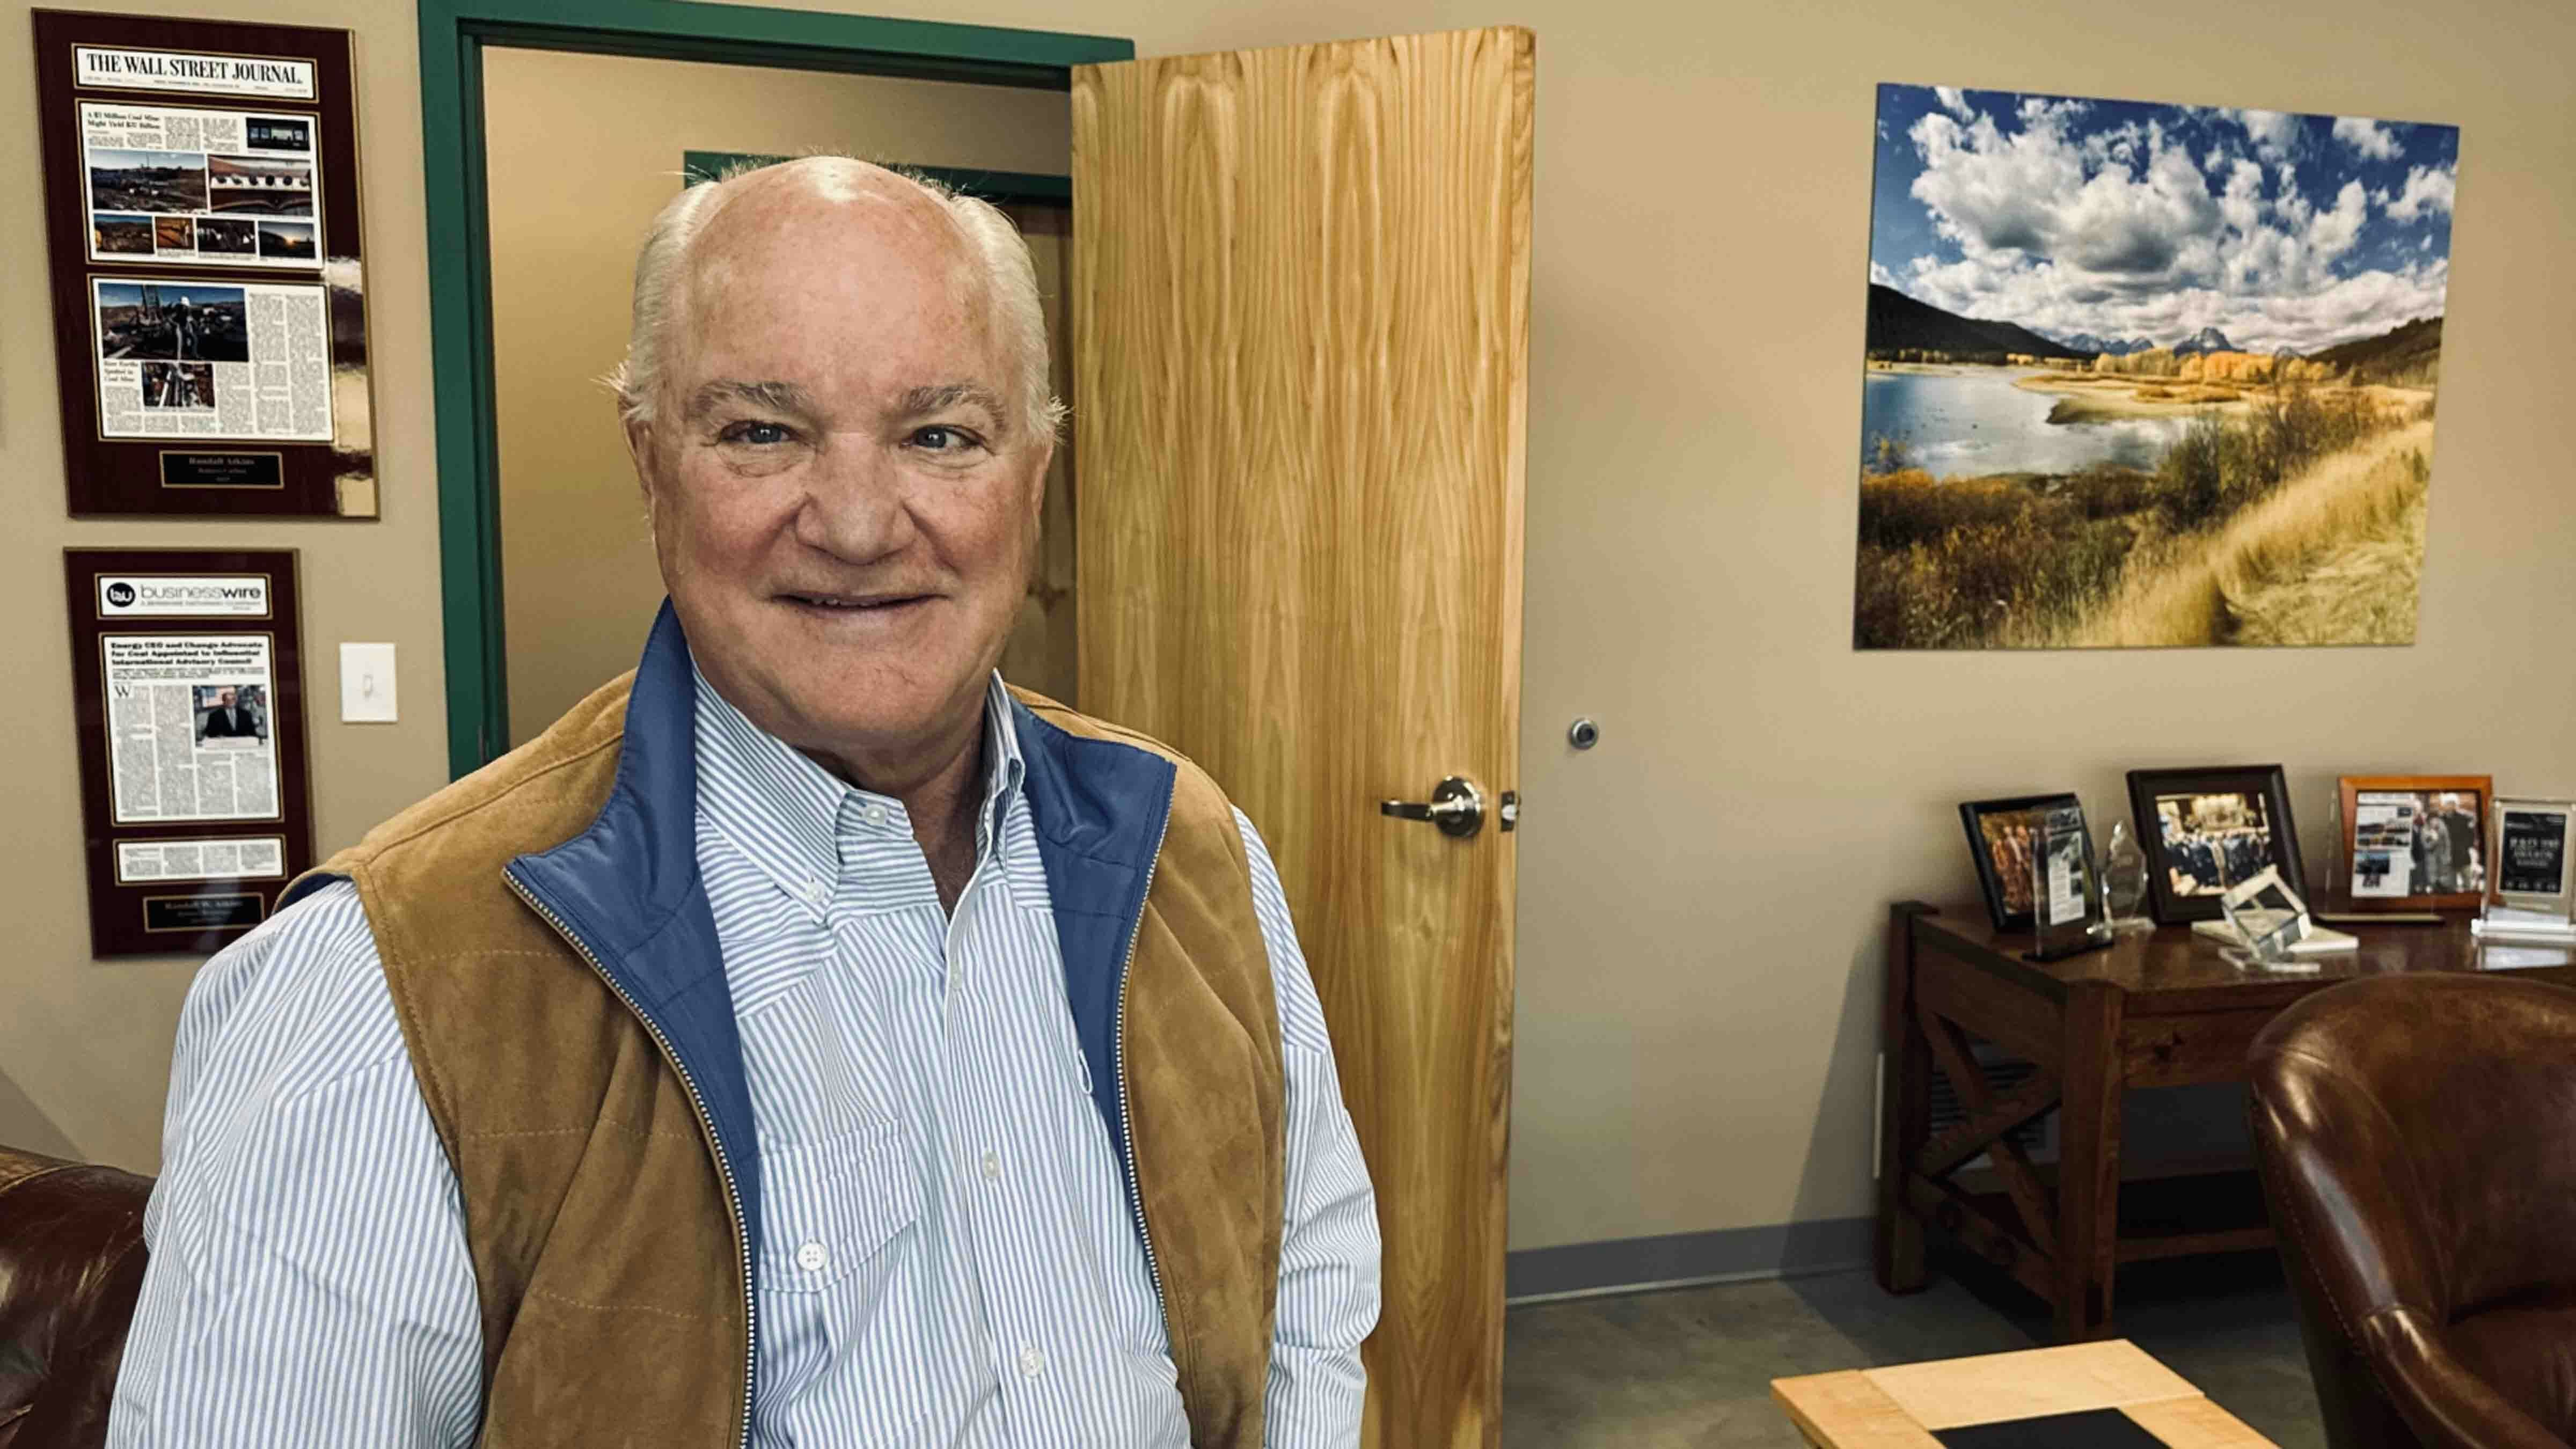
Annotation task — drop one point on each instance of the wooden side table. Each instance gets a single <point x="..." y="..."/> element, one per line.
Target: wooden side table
<point x="2158" y="1009"/>
<point x="1908" y="1406"/>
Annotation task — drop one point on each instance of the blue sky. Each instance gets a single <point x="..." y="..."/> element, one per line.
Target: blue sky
<point x="2124" y="219"/>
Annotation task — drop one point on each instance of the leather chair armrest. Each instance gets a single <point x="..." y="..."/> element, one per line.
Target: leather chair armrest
<point x="2446" y="1405"/>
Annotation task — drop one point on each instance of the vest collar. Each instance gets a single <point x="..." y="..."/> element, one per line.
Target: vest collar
<point x="627" y="891"/>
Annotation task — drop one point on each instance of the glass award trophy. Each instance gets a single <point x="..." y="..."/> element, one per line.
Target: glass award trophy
<point x="2534" y="899"/>
<point x="2066" y="890"/>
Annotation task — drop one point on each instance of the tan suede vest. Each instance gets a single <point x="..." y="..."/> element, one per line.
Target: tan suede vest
<point x="610" y="1267"/>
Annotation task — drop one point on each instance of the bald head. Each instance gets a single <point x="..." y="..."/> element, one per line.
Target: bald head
<point x="887" y="231"/>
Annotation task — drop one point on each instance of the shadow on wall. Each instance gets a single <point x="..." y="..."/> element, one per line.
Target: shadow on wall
<point x="29" y="1130"/>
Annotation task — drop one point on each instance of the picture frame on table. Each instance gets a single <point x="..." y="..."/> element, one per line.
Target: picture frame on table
<point x="2534" y="867"/>
<point x="2003" y="840"/>
<point x="2207" y="829"/>
<point x="2413" y="842"/>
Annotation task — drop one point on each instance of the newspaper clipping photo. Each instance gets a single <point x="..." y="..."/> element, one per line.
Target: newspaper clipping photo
<point x="212" y="188"/>
<point x="189" y="734"/>
<point x="212" y="360"/>
<point x="263" y="858"/>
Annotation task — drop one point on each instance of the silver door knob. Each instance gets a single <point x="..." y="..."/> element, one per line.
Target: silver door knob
<point x="1456" y="806"/>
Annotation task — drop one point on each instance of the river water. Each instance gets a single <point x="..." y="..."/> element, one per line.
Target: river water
<point x="1979" y="423"/>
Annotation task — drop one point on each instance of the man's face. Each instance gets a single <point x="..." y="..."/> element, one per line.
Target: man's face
<point x="844" y="504"/>
<point x="224" y="698"/>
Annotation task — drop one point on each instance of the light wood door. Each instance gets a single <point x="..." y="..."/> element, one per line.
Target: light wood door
<point x="1301" y="314"/>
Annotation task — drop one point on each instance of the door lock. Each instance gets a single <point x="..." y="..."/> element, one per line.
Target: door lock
<point x="1456" y="806"/>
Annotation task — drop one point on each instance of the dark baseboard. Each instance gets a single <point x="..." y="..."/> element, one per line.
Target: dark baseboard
<point x="1780" y="1250"/>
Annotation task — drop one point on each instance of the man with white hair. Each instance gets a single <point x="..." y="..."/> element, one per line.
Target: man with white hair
<point x="807" y="1040"/>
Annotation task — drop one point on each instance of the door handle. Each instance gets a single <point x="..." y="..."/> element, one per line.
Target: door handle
<point x="1456" y="806"/>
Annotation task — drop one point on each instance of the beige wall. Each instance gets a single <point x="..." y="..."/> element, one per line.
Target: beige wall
<point x="87" y="1043"/>
<point x="577" y="564"/>
<point x="1697" y="1005"/>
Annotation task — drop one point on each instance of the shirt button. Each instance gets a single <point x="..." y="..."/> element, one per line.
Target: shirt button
<point x="992" y="1167"/>
<point x="813" y="1257"/>
<point x="817" y="894"/>
<point x="876" y="815"/>
<point x="1032" y="1363"/>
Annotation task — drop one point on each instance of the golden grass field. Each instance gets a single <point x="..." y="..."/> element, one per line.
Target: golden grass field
<point x="2288" y="514"/>
<point x="2332" y="558"/>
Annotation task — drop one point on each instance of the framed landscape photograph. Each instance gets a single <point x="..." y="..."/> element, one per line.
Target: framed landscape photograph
<point x="2004" y="841"/>
<point x="2205" y="830"/>
<point x="2139" y="375"/>
<point x="2413" y="842"/>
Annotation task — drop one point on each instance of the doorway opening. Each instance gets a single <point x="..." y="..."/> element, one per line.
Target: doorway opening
<point x="537" y="154"/>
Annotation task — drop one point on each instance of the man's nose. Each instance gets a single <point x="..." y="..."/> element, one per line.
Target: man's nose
<point x="857" y="508"/>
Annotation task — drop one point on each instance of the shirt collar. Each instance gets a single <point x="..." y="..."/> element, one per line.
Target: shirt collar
<point x="787" y="814"/>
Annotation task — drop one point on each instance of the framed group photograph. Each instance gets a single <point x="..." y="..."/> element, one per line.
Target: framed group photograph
<point x="2413" y="842"/>
<point x="2004" y="838"/>
<point x="2205" y="830"/>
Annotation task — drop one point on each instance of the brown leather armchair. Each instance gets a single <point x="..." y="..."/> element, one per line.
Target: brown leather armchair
<point x="2417" y="1137"/>
<point x="71" y="1263"/>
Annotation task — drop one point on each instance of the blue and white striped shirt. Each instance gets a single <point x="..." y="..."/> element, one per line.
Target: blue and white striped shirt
<point x="948" y="1257"/>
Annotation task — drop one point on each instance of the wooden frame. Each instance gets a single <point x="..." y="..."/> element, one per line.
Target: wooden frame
<point x="2211" y="868"/>
<point x="2349" y="852"/>
<point x="174" y="473"/>
<point x="1973" y="815"/>
<point x="162" y="912"/>
<point x="453" y="34"/>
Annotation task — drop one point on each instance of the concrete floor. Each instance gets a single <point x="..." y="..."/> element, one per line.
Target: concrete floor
<point x="1691" y="1368"/>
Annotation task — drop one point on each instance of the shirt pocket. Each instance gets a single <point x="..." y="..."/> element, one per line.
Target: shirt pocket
<point x="831" y="1205"/>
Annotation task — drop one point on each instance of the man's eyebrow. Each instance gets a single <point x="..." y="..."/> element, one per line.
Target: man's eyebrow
<point x="940" y="398"/>
<point x="781" y="397"/>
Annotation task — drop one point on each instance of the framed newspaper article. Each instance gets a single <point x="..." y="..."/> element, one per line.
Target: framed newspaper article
<point x="187" y="692"/>
<point x="208" y="272"/>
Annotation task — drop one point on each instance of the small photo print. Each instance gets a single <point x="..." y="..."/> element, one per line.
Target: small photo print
<point x="286" y="240"/>
<point x="179" y="385"/>
<point x="174" y="234"/>
<point x="227" y="236"/>
<point x="119" y="234"/>
<point x="278" y="133"/>
<point x="2418" y="843"/>
<point x="229" y="714"/>
<point x="258" y="184"/>
<point x="121" y="180"/>
<point x="2210" y="842"/>
<point x="2012" y="845"/>
<point x="180" y="322"/>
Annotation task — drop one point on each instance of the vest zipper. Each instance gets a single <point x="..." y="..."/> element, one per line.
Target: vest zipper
<point x="706" y="1125"/>
<point x="1126" y="1114"/>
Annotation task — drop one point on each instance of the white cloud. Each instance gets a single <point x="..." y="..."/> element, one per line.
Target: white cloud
<point x="2425" y="245"/>
<point x="1882" y="277"/>
<point x="2368" y="137"/>
<point x="2126" y="232"/>
<point x="2332" y="233"/>
<point x="2428" y="189"/>
<point x="1954" y="101"/>
<point x="2274" y="134"/>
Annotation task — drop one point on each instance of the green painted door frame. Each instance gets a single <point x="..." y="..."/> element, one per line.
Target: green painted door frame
<point x="452" y="36"/>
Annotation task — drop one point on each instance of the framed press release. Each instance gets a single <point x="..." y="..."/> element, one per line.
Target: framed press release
<point x="2207" y="829"/>
<point x="2533" y="870"/>
<point x="207" y="266"/>
<point x="2412" y="842"/>
<point x="188" y="699"/>
<point x="2067" y="913"/>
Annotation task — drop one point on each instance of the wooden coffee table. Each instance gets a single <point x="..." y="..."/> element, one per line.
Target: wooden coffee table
<point x="1909" y="1406"/>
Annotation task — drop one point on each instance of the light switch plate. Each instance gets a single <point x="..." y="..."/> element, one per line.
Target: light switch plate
<point x="366" y="684"/>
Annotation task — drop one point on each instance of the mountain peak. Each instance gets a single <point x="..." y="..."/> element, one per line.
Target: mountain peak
<point x="2208" y="339"/>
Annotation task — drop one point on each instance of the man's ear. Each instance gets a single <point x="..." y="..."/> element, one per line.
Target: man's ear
<point x="639" y="447"/>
